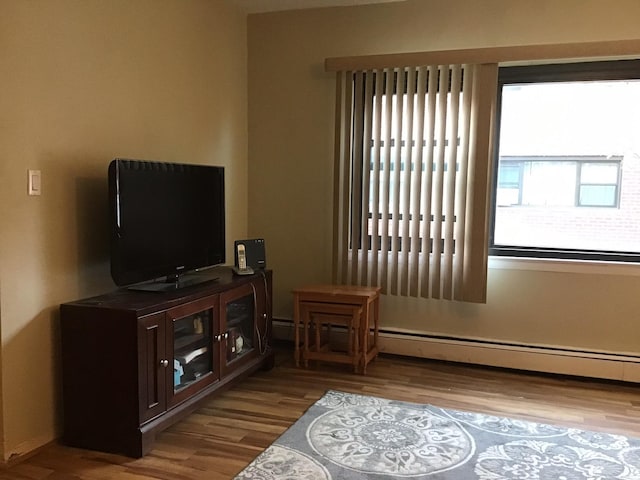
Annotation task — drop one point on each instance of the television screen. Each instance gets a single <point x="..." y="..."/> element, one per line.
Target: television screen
<point x="166" y="219"/>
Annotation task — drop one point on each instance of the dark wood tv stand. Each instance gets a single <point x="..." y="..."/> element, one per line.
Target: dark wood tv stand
<point x="136" y="362"/>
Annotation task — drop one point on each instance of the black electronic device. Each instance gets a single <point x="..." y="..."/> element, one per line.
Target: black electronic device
<point x="254" y="253"/>
<point x="167" y="219"/>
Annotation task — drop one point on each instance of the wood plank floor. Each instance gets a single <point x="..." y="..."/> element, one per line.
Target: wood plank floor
<point x="232" y="428"/>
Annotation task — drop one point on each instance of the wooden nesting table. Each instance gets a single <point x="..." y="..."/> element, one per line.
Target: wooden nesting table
<point x="350" y="306"/>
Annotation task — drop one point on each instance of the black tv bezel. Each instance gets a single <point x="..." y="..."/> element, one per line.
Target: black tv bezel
<point x="162" y="277"/>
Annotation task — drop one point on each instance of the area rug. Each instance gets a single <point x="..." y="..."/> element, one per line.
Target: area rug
<point x="348" y="436"/>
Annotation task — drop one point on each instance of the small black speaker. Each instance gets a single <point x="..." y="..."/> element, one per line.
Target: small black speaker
<point x="254" y="252"/>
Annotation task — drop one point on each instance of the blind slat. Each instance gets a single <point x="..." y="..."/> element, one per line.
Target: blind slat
<point x="366" y="171"/>
<point x="441" y="139"/>
<point x="395" y="187"/>
<point x="483" y="102"/>
<point x="461" y="190"/>
<point x="450" y="179"/>
<point x="356" y="176"/>
<point x="376" y="179"/>
<point x="384" y="208"/>
<point x="344" y="121"/>
<point x="427" y="196"/>
<point x="416" y="185"/>
<point x="406" y="173"/>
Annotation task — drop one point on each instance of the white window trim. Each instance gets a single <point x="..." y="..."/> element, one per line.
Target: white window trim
<point x="587" y="267"/>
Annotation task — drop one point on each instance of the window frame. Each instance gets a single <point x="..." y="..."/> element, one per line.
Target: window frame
<point x="549" y="73"/>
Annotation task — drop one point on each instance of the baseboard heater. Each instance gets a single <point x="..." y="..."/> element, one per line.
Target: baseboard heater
<point x="558" y="360"/>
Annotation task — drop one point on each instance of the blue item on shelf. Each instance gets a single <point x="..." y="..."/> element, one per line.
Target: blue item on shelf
<point x="178" y="371"/>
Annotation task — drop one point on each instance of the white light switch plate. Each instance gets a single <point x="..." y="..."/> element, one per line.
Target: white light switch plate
<point x="35" y="182"/>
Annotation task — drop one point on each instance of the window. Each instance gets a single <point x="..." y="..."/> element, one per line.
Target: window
<point x="599" y="183"/>
<point x="567" y="175"/>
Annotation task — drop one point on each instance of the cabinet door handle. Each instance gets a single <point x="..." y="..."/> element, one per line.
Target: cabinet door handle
<point x="226" y="335"/>
<point x="164" y="363"/>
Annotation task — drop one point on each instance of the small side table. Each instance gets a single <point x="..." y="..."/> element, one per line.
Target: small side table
<point x="367" y="298"/>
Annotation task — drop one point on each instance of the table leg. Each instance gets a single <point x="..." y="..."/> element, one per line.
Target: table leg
<point x="306" y="319"/>
<point x="296" y="329"/>
<point x="354" y="332"/>
<point x="364" y="327"/>
<point x="376" y="316"/>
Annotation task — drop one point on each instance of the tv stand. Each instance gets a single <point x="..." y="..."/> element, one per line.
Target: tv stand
<point x="135" y="362"/>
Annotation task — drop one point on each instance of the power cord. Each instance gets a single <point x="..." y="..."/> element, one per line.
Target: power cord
<point x="263" y="338"/>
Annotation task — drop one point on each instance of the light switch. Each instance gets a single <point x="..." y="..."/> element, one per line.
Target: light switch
<point x="35" y="182"/>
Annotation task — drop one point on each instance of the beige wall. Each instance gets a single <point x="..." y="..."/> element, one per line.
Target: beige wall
<point x="84" y="81"/>
<point x="291" y="102"/>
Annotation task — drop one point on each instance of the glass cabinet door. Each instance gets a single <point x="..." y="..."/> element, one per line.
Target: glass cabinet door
<point x="192" y="356"/>
<point x="239" y="313"/>
<point x="240" y="316"/>
<point x="193" y="341"/>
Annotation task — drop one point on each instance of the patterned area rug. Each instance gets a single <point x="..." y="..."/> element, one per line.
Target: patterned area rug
<point x="347" y="436"/>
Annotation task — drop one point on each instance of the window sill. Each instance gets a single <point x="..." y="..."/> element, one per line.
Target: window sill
<point x="565" y="266"/>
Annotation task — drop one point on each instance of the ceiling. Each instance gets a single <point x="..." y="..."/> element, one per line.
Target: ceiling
<point x="257" y="6"/>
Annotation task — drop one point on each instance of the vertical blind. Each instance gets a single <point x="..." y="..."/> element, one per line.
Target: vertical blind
<point x="411" y="192"/>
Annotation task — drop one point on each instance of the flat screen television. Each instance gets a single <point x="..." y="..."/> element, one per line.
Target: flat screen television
<point x="167" y="220"/>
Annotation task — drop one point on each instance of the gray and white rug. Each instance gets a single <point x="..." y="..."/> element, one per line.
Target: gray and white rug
<point x="348" y="436"/>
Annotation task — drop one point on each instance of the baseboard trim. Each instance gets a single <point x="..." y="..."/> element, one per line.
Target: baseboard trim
<point x="558" y="360"/>
<point x="26" y="450"/>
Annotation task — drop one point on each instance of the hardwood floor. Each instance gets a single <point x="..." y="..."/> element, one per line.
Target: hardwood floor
<point x="232" y="428"/>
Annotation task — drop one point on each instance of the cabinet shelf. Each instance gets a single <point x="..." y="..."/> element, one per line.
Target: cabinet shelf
<point x="182" y="342"/>
<point x="189" y="355"/>
<point x="237" y="321"/>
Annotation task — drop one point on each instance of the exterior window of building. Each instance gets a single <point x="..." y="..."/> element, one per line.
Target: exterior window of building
<point x="559" y="181"/>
